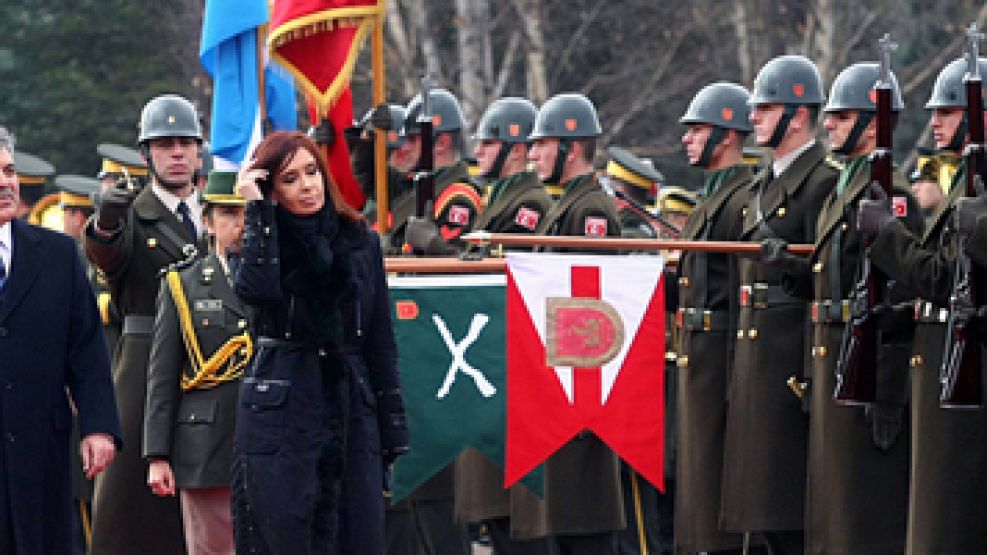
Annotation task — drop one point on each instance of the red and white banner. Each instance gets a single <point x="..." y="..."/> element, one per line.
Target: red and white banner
<point x="585" y="351"/>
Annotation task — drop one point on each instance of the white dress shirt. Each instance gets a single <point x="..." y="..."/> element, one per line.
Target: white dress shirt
<point x="781" y="164"/>
<point x="170" y="200"/>
<point x="6" y="246"/>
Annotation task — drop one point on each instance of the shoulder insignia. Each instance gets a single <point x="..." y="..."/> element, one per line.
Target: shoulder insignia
<point x="458" y="214"/>
<point x="462" y="192"/>
<point x="527" y="218"/>
<point x="832" y="162"/>
<point x="899" y="205"/>
<point x="595" y="226"/>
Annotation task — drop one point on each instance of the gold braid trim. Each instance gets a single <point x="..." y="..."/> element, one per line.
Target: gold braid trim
<point x="207" y="373"/>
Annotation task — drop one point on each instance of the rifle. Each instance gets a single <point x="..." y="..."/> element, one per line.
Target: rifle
<point x="612" y="191"/>
<point x="425" y="174"/>
<point x="856" y="367"/>
<point x="961" y="374"/>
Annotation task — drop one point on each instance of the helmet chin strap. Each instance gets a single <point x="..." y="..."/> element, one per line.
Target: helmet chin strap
<point x="170" y="185"/>
<point x="864" y="118"/>
<point x="560" y="155"/>
<point x="782" y="127"/>
<point x="959" y="136"/>
<point x="715" y="138"/>
<point x="498" y="165"/>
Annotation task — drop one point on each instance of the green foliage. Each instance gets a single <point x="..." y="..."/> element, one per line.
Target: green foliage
<point x="74" y="73"/>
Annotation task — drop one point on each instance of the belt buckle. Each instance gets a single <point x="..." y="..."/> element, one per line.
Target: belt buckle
<point x="760" y="294"/>
<point x="845" y="310"/>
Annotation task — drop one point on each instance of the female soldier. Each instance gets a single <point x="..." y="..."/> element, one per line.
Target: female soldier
<point x="320" y="409"/>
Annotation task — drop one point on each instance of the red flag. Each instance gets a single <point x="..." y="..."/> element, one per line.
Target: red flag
<point x="586" y="352"/>
<point x="318" y="42"/>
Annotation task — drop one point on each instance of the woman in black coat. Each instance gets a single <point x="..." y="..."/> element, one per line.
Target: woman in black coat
<point x="320" y="411"/>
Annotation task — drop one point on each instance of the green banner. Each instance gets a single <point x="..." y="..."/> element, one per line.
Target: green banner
<point x="451" y="355"/>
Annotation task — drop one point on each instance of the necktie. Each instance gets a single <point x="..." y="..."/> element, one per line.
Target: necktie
<point x="186" y="217"/>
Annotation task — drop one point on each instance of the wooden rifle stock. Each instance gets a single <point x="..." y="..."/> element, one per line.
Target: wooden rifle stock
<point x="961" y="374"/>
<point x="856" y="367"/>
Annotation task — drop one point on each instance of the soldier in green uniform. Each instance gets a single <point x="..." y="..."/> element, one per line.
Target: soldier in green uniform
<point x="717" y="120"/>
<point x="457" y="202"/>
<point x="32" y="174"/>
<point x="763" y="488"/>
<point x="426" y="521"/>
<point x="949" y="447"/>
<point x="583" y="506"/>
<point x="638" y="181"/>
<point x="858" y="463"/>
<point x="516" y="204"/>
<point x="387" y="119"/>
<point x="131" y="238"/>
<point x="199" y="350"/>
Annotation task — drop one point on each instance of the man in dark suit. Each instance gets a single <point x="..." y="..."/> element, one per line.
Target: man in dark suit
<point x="37" y="370"/>
<point x="130" y="239"/>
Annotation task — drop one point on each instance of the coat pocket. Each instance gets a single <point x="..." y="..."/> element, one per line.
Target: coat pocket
<point x="197" y="411"/>
<point x="261" y="420"/>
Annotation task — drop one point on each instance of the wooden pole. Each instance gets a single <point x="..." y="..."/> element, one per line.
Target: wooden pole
<point x="380" y="138"/>
<point x="614" y="243"/>
<point x="639" y="514"/>
<point x="261" y="85"/>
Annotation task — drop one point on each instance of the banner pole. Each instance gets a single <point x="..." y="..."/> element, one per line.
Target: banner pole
<point x="380" y="138"/>
<point x="638" y="512"/>
<point x="261" y="84"/>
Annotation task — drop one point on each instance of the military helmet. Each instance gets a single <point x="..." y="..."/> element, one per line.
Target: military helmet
<point x="788" y="79"/>
<point x="169" y="115"/>
<point x="853" y="89"/>
<point x="509" y="120"/>
<point x="721" y="104"/>
<point x="949" y="91"/>
<point x="567" y="115"/>
<point x="396" y="114"/>
<point x="447" y="115"/>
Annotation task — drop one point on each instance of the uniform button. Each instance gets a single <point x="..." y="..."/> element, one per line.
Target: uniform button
<point x="740" y="334"/>
<point x="152" y="242"/>
<point x="683" y="281"/>
<point x="241" y="324"/>
<point x="781" y="212"/>
<point x="752" y="333"/>
<point x="843" y="226"/>
<point x="817" y="267"/>
<point x="682" y="362"/>
<point x="916" y="360"/>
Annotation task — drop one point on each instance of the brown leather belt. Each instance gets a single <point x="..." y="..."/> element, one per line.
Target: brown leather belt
<point x="763" y="295"/>
<point x="830" y="312"/>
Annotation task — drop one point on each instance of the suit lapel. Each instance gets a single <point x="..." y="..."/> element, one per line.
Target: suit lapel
<point x="711" y="207"/>
<point x="937" y="218"/>
<point x="24" y="266"/>
<point x="786" y="185"/>
<point x="836" y="207"/>
<point x="149" y="209"/>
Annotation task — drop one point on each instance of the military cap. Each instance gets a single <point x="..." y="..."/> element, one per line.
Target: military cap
<point x="221" y="189"/>
<point x="31" y="170"/>
<point x="677" y="200"/>
<point x="447" y="115"/>
<point x="76" y="191"/>
<point x="753" y="156"/>
<point x="630" y="169"/>
<point x="116" y="158"/>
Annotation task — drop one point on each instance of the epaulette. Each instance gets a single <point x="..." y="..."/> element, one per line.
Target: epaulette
<point x="835" y="163"/>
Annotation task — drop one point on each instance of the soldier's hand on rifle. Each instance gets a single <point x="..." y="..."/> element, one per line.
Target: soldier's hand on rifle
<point x="419" y="232"/>
<point x="113" y="207"/>
<point x="874" y="213"/>
<point x="968" y="211"/>
<point x="884" y="420"/>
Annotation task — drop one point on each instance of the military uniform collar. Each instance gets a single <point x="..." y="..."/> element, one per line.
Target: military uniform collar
<point x="780" y="165"/>
<point x="456" y="173"/>
<point x="577" y="182"/>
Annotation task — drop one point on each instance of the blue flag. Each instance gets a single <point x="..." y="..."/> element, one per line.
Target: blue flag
<point x="228" y="51"/>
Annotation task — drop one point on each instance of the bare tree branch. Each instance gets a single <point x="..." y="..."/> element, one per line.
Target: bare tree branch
<point x="506" y="66"/>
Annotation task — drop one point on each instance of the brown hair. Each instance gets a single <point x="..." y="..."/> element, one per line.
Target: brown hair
<point x="276" y="151"/>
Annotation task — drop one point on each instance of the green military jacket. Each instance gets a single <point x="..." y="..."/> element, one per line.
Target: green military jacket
<point x="766" y="431"/>
<point x="584" y="210"/>
<point x="194" y="429"/>
<point x="707" y="282"/>
<point x="858" y="494"/>
<point x="517" y="204"/>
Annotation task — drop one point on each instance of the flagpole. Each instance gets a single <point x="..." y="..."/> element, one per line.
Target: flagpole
<point x="638" y="513"/>
<point x="380" y="138"/>
<point x="261" y="85"/>
<point x="483" y="238"/>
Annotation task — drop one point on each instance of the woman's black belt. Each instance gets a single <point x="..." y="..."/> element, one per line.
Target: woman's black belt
<point x="134" y="324"/>
<point x="322" y="350"/>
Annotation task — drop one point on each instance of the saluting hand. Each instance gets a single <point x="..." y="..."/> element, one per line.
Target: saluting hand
<point x="98" y="451"/>
<point x="160" y="478"/>
<point x="246" y="183"/>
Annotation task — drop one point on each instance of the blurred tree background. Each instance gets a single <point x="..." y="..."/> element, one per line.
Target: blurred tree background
<point x="76" y="72"/>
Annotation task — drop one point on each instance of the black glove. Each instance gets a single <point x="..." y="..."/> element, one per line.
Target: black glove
<point x="874" y="213"/>
<point x="884" y="420"/>
<point x="113" y="207"/>
<point x="419" y="232"/>
<point x="323" y="133"/>
<point x="968" y="211"/>
<point x="393" y="426"/>
<point x="380" y="118"/>
<point x="774" y="252"/>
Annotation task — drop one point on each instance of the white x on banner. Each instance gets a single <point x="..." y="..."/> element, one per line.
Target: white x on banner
<point x="458" y="351"/>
